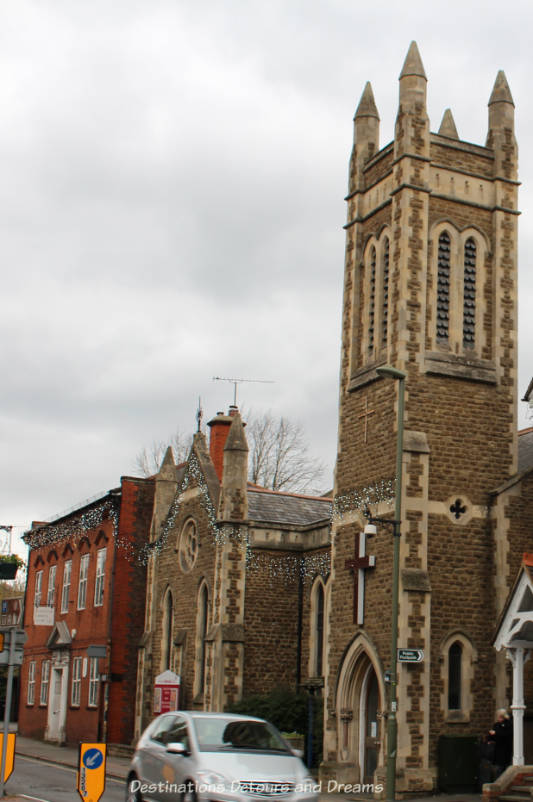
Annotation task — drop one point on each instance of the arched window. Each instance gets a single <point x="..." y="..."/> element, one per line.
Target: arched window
<point x="457" y="674"/>
<point x="372" y="299"/>
<point x="443" y="287"/>
<point x="319" y="630"/>
<point x="385" y="296"/>
<point x="202" y="620"/>
<point x="167" y="630"/>
<point x="469" y="294"/>
<point x="455" y="657"/>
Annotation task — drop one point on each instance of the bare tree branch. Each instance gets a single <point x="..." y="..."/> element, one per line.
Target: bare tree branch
<point x="279" y="455"/>
<point x="148" y="460"/>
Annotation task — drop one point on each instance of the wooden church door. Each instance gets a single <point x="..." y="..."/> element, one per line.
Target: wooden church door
<point x="369" y="720"/>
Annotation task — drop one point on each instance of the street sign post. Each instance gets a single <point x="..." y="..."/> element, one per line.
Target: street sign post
<point x="410" y="655"/>
<point x="16" y="640"/>
<point x="91" y="771"/>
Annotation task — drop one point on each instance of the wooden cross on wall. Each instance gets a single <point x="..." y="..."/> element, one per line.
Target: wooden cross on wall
<point x="358" y="566"/>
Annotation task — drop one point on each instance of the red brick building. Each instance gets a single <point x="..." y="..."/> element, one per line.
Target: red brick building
<point x="86" y="588"/>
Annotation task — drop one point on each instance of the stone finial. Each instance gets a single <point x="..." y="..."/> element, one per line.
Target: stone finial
<point x="168" y="466"/>
<point x="500" y="91"/>
<point x="236" y="440"/>
<point x="413" y="63"/>
<point x="447" y="126"/>
<point x="501" y="118"/>
<point x="367" y="105"/>
<point x="233" y="504"/>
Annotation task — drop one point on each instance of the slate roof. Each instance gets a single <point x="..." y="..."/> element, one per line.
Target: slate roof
<point x="285" y="508"/>
<point x="525" y="449"/>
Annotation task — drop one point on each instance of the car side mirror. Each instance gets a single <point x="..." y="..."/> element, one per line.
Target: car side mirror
<point x="178" y="748"/>
<point x="298" y="752"/>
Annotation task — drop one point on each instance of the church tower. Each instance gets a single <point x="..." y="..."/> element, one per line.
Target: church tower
<point x="430" y="288"/>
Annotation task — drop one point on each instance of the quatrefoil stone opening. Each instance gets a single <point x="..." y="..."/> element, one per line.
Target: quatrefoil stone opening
<point x="458" y="509"/>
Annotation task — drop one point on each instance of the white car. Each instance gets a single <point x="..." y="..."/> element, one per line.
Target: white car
<point x="216" y="757"/>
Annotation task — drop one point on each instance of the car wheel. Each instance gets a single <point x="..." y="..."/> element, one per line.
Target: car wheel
<point x="189" y="795"/>
<point x="132" y="793"/>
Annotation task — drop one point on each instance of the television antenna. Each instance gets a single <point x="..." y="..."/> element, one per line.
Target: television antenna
<point x="235" y="382"/>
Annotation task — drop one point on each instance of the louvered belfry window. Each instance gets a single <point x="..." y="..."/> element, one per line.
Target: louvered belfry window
<point x="385" y="308"/>
<point x="372" y="300"/>
<point x="469" y="294"/>
<point x="443" y="287"/>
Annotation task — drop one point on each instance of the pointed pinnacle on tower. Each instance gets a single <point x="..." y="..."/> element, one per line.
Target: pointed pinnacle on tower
<point x="236" y="438"/>
<point x="500" y="91"/>
<point x="447" y="126"/>
<point x="367" y="105"/>
<point x="413" y="63"/>
<point x="168" y="466"/>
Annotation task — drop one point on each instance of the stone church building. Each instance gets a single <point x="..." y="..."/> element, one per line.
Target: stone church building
<point x="237" y="584"/>
<point x="249" y="589"/>
<point x="430" y="288"/>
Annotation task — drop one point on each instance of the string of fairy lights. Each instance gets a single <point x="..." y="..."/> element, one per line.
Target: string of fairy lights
<point x="289" y="566"/>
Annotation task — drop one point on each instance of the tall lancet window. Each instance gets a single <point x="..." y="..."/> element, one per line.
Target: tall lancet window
<point x="385" y="296"/>
<point x="319" y="631"/>
<point x="202" y="618"/>
<point x="455" y="657"/>
<point x="443" y="287"/>
<point x="469" y="294"/>
<point x="168" y="627"/>
<point x="372" y="300"/>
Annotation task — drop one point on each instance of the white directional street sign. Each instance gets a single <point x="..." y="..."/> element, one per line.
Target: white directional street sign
<point x="410" y="655"/>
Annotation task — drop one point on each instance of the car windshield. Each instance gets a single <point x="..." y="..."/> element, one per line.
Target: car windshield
<point x="220" y="734"/>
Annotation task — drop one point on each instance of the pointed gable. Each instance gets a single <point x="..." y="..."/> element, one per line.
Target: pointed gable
<point x="59" y="636"/>
<point x="515" y="626"/>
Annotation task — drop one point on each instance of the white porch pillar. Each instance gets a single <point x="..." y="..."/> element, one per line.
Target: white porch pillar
<point x="518" y="656"/>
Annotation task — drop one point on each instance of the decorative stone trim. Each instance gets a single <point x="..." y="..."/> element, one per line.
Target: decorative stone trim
<point x="468" y="660"/>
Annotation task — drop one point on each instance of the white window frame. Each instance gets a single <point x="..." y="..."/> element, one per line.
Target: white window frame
<point x="100" y="577"/>
<point x="75" y="688"/>
<point x="65" y="592"/>
<point x="51" y="594"/>
<point x="45" y="682"/>
<point x="38" y="588"/>
<point x="94" y="682"/>
<point x="83" y="581"/>
<point x="30" y="699"/>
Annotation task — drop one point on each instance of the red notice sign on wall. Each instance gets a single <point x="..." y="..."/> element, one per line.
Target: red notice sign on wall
<point x="166" y="692"/>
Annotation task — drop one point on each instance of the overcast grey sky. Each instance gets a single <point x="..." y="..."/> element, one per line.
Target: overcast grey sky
<point x="171" y="192"/>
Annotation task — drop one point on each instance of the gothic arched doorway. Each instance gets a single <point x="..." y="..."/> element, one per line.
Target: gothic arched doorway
<point x="360" y="695"/>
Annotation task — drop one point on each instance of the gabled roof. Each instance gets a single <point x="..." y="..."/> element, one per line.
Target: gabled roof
<point x="271" y="506"/>
<point x="525" y="449"/>
<point x="515" y="624"/>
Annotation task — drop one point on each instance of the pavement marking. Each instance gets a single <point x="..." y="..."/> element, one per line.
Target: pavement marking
<point x="36" y="798"/>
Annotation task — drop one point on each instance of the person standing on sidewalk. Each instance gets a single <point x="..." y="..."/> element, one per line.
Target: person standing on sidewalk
<point x="502" y="733"/>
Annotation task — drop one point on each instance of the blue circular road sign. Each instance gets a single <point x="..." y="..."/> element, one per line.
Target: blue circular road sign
<point x="93" y="759"/>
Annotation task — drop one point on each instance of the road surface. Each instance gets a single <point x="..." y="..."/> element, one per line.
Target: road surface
<point x="48" y="782"/>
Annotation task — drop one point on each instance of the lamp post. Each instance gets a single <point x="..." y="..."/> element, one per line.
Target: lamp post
<point x="392" y="723"/>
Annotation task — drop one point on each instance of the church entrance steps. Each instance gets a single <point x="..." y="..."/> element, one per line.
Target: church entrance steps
<point x="514" y="785"/>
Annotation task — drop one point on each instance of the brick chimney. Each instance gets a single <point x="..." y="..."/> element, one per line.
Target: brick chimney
<point x="218" y="435"/>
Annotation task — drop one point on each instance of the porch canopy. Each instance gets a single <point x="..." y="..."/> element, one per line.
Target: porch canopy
<point x="515" y="635"/>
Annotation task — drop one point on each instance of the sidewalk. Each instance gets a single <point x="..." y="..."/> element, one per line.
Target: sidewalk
<point x="117" y="767"/>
